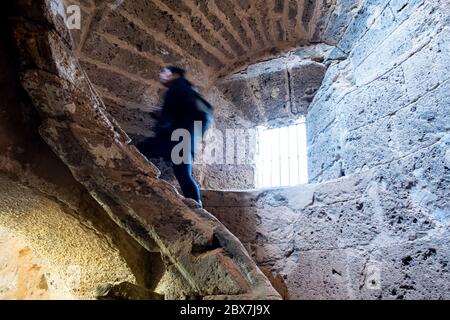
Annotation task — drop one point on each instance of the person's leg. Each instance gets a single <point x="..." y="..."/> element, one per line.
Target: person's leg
<point x="183" y="173"/>
<point x="150" y="148"/>
<point x="155" y="147"/>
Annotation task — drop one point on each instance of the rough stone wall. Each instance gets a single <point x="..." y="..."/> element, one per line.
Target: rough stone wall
<point x="389" y="99"/>
<point x="23" y="274"/>
<point x="381" y="234"/>
<point x="76" y="257"/>
<point x="378" y="126"/>
<point x="375" y="223"/>
<point x="271" y="93"/>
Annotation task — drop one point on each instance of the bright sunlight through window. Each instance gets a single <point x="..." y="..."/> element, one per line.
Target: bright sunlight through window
<point x="282" y="156"/>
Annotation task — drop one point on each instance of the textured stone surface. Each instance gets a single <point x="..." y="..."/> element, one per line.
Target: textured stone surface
<point x="74" y="254"/>
<point x="385" y="41"/>
<point x="372" y="78"/>
<point x="60" y="215"/>
<point x="340" y="16"/>
<point x="23" y="274"/>
<point x="122" y="48"/>
<point x="381" y="234"/>
<point x="74" y="124"/>
<point x="305" y="79"/>
<point x="389" y="98"/>
<point x="125" y="291"/>
<point x="129" y="41"/>
<point x="270" y="93"/>
<point x="276" y="91"/>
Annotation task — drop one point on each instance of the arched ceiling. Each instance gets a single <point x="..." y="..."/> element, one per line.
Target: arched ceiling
<point x="124" y="43"/>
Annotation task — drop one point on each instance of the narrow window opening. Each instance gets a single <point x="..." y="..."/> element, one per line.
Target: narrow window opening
<point x="281" y="159"/>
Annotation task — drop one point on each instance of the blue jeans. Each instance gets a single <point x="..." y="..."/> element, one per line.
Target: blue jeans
<point x="161" y="147"/>
<point x="183" y="173"/>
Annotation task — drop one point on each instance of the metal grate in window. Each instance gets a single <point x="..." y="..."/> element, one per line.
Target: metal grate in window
<point x="282" y="156"/>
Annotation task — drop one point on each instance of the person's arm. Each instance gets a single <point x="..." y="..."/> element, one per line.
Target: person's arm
<point x="181" y="103"/>
<point x="164" y="119"/>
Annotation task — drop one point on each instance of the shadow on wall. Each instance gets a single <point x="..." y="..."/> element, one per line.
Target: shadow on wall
<point x="255" y="228"/>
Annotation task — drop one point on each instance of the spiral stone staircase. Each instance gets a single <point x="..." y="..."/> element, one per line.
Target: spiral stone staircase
<point x="210" y="259"/>
<point x="371" y="78"/>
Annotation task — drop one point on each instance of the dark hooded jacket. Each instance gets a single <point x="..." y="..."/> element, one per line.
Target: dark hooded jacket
<point x="182" y="107"/>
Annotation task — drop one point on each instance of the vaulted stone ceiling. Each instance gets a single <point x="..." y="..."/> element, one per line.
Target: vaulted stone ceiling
<point x="210" y="35"/>
<point x="123" y="44"/>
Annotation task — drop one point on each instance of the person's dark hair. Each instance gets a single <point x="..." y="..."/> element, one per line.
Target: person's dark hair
<point x="178" y="70"/>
